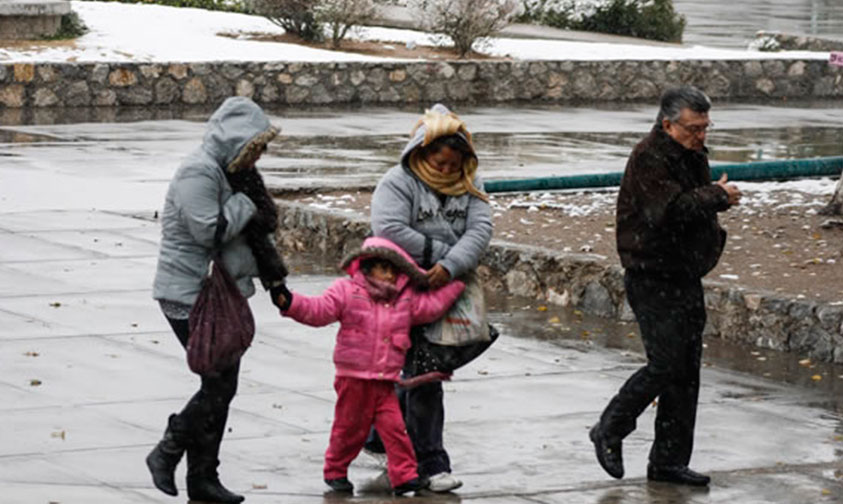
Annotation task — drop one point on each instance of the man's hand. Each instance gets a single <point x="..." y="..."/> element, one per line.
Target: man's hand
<point x="732" y="191"/>
<point x="437" y="276"/>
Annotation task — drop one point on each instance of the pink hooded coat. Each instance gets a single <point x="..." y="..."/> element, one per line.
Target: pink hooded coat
<point x="374" y="336"/>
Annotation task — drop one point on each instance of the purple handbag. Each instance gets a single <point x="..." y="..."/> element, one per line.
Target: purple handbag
<point x="221" y="322"/>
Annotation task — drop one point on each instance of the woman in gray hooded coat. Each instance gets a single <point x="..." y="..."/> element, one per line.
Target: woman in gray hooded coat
<point x="433" y="206"/>
<point x="216" y="199"/>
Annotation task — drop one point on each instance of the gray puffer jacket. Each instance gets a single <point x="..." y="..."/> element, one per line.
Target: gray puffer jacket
<point x="405" y="210"/>
<point x="197" y="193"/>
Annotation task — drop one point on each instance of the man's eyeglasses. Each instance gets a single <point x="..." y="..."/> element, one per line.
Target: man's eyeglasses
<point x="696" y="130"/>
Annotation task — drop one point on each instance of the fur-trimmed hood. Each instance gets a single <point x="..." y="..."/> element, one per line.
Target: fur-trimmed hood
<point x="238" y="128"/>
<point x="382" y="248"/>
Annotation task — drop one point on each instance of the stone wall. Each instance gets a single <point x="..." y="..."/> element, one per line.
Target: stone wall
<point x="768" y="320"/>
<point x="103" y="84"/>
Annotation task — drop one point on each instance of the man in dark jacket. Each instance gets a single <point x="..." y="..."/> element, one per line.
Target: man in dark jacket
<point x="668" y="239"/>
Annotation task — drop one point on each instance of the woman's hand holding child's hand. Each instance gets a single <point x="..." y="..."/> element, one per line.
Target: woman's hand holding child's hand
<point x="438" y="276"/>
<point x="281" y="297"/>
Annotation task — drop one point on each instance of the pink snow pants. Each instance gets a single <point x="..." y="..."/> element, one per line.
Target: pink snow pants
<point x="361" y="404"/>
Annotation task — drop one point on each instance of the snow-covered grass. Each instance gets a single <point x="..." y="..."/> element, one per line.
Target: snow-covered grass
<point x="143" y="32"/>
<point x="802" y="195"/>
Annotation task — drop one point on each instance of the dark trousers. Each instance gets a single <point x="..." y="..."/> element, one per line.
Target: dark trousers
<point x="671" y="317"/>
<point x="204" y="416"/>
<point x="424" y="415"/>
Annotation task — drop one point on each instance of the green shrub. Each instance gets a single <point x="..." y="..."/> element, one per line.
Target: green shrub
<point x="650" y="19"/>
<point x="294" y="16"/>
<point x="71" y="27"/>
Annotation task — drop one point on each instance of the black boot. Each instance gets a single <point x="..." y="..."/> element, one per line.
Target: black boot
<point x="164" y="458"/>
<point x="209" y="489"/>
<point x="203" y="483"/>
<point x="414" y="485"/>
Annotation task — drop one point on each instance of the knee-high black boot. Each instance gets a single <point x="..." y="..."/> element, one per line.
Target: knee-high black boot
<point x="203" y="483"/>
<point x="164" y="458"/>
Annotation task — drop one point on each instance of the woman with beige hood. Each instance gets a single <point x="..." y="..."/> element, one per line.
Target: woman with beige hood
<point x="433" y="206"/>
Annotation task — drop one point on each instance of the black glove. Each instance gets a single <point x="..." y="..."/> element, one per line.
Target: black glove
<point x="278" y="290"/>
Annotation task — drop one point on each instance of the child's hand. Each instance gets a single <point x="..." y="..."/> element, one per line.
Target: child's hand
<point x="438" y="276"/>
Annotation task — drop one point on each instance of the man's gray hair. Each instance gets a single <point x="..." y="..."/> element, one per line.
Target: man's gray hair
<point x="683" y="97"/>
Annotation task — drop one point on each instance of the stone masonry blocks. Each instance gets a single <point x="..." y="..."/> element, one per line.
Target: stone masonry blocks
<point x="127" y="84"/>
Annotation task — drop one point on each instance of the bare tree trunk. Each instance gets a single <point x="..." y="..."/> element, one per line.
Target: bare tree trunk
<point x="835" y="206"/>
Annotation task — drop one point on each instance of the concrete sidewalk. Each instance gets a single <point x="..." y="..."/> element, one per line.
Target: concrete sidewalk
<point x="89" y="372"/>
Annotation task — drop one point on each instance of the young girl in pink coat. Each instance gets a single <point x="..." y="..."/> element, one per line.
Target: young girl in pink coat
<point x="376" y="307"/>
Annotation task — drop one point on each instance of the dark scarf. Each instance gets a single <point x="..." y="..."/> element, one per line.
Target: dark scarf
<point x="264" y="223"/>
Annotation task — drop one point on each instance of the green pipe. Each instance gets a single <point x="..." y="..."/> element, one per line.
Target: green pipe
<point x="759" y="170"/>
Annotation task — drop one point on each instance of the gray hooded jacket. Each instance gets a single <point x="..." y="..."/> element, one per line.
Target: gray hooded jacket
<point x="409" y="213"/>
<point x="198" y="192"/>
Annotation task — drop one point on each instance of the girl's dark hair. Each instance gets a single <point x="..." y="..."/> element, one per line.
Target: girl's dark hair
<point x="455" y="142"/>
<point x="368" y="263"/>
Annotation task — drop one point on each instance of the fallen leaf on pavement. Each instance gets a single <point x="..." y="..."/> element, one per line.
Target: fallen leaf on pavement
<point x="816" y="377"/>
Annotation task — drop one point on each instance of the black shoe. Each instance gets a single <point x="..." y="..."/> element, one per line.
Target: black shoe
<point x="164" y="458"/>
<point x="608" y="454"/>
<point x="414" y="485"/>
<point x="341" y="485"/>
<point x="680" y="475"/>
<point x="209" y="489"/>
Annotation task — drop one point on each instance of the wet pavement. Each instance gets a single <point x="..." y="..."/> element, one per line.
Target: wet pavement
<point x="89" y="370"/>
<point x="352" y="147"/>
<point x="722" y="23"/>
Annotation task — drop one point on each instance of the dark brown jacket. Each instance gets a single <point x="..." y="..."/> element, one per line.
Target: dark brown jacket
<point x="667" y="210"/>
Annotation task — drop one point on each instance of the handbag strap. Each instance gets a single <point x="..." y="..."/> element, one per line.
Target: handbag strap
<point x="222" y="224"/>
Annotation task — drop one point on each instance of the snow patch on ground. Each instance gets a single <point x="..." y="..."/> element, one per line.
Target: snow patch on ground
<point x="803" y="196"/>
<point x="145" y="33"/>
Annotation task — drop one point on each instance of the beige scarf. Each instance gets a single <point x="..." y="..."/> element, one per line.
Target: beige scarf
<point x="451" y="184"/>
